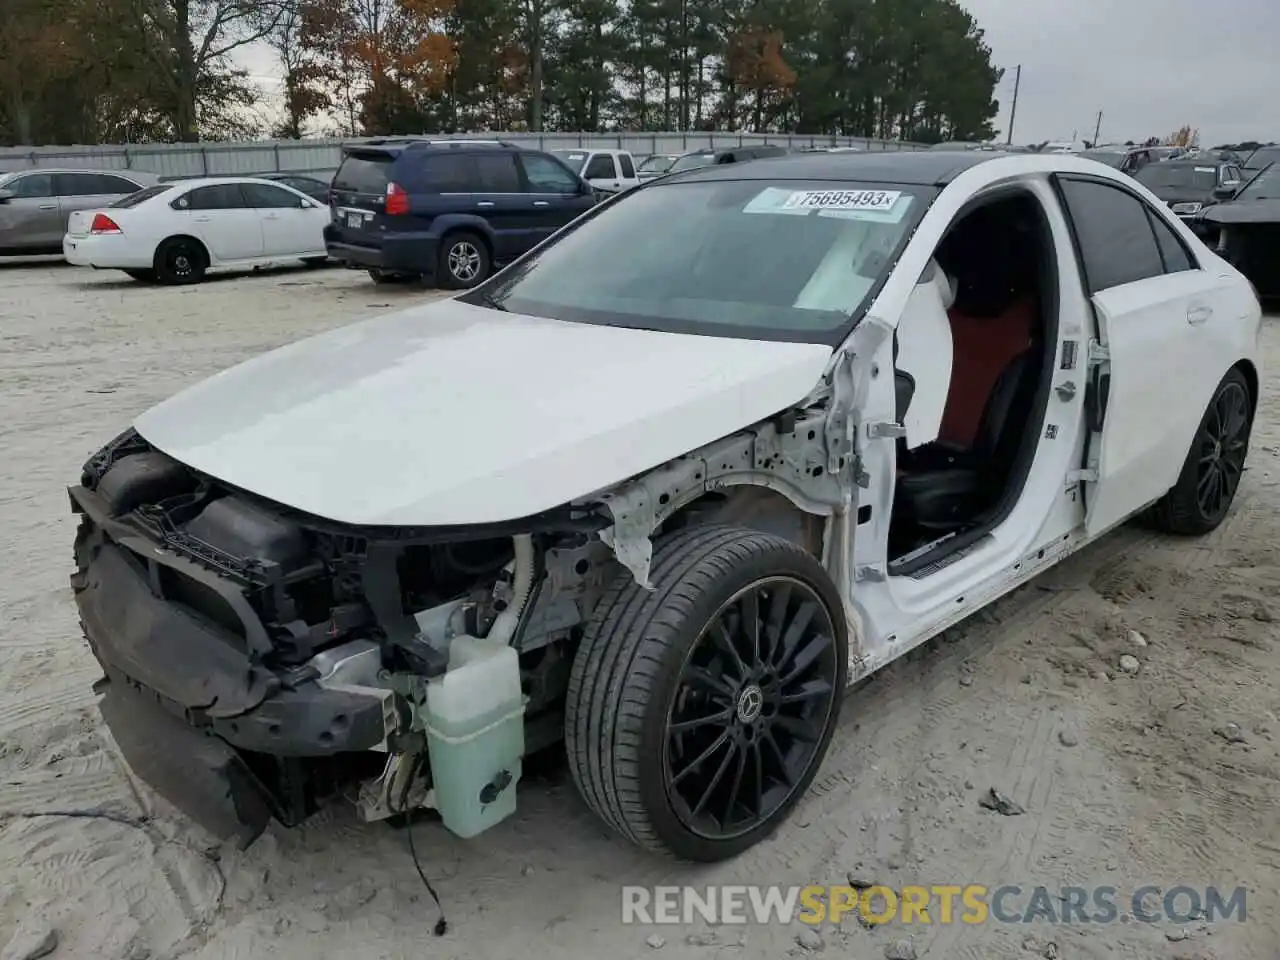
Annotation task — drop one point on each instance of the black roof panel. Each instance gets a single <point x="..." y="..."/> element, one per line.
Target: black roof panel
<point x="912" y="167"/>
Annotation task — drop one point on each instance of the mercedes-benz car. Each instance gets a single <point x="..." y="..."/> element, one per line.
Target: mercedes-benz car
<point x="655" y="491"/>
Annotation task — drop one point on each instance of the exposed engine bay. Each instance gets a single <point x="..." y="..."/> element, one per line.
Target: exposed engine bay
<point x="295" y="657"/>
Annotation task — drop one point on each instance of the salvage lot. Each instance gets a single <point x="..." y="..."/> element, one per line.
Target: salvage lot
<point x="1126" y="779"/>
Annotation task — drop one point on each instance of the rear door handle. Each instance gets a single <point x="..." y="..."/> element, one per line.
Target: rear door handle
<point x="48" y="206"/>
<point x="271" y="216"/>
<point x="484" y="203"/>
<point x="1198" y="313"/>
<point x="203" y="219"/>
<point x="541" y="203"/>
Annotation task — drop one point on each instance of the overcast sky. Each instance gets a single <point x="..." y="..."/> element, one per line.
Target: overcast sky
<point x="1150" y="66"/>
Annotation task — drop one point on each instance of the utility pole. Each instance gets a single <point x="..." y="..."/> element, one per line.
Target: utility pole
<point x="1097" y="131"/>
<point x="1013" y="111"/>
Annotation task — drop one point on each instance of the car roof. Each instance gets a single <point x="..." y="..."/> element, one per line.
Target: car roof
<point x="127" y="174"/>
<point x="912" y="167"/>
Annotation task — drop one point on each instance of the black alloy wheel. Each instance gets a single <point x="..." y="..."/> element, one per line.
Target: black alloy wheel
<point x="1222" y="445"/>
<point x="1211" y="473"/>
<point x="698" y="711"/>
<point x="753" y="700"/>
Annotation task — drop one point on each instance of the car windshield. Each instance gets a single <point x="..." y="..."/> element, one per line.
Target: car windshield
<point x="1192" y="176"/>
<point x="1264" y="186"/>
<point x="133" y="199"/>
<point x="1110" y="157"/>
<point x="763" y="260"/>
<point x="575" y="160"/>
<point x="1261" y="157"/>
<point x="691" y="161"/>
<point x="656" y="164"/>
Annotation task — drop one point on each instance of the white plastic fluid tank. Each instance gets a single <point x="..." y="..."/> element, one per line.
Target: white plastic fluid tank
<point x="475" y="734"/>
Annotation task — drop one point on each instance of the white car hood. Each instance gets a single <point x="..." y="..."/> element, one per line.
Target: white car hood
<point x="453" y="414"/>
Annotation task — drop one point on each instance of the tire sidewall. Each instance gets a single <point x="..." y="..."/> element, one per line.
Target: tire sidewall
<point x="195" y="254"/>
<point x="446" y="277"/>
<point x="652" y="777"/>
<point x="1189" y="480"/>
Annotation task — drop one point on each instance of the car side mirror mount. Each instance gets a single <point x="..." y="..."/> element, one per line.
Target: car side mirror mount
<point x="6" y="196"/>
<point x="1226" y="191"/>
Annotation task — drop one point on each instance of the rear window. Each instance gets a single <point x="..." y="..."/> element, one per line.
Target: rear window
<point x="133" y="199"/>
<point x="691" y="161"/>
<point x="1192" y="177"/>
<point x="364" y="173"/>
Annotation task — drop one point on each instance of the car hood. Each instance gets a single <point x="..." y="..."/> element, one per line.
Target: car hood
<point x="1245" y="211"/>
<point x="449" y="413"/>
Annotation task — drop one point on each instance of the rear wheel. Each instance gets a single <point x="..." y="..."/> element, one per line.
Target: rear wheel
<point x="1211" y="474"/>
<point x="142" y="276"/>
<point x="180" y="260"/>
<point x="385" y="276"/>
<point x="464" y="261"/>
<point x="698" y="712"/>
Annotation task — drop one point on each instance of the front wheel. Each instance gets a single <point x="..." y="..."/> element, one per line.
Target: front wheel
<point x="1211" y="474"/>
<point x="464" y="261"/>
<point x="698" y="712"/>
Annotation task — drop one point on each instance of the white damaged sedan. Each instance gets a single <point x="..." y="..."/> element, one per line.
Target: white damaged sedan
<point x="660" y="489"/>
<point x="176" y="232"/>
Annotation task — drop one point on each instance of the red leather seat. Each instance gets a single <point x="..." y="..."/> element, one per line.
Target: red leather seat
<point x="983" y="347"/>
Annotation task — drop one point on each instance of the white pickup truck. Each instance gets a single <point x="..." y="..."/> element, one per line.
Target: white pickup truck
<point x="609" y="170"/>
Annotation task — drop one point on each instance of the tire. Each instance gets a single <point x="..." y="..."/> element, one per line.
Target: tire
<point x="382" y="276"/>
<point x="142" y="276"/>
<point x="1220" y="446"/>
<point x="180" y="260"/>
<point x="629" y="683"/>
<point x="464" y="261"/>
<point x="314" y="262"/>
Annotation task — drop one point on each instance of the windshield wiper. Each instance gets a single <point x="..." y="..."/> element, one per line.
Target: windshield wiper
<point x="492" y="302"/>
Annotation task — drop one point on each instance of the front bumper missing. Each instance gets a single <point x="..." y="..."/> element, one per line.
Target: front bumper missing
<point x="202" y="776"/>
<point x="194" y="710"/>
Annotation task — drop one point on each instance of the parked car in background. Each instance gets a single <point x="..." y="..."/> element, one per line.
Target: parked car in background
<point x="1125" y="159"/>
<point x="705" y="158"/>
<point x="666" y="489"/>
<point x="176" y="232"/>
<point x="1248" y="230"/>
<point x="1262" y="158"/>
<point x="1188" y="186"/>
<point x="313" y="187"/>
<point x="36" y="205"/>
<point x="609" y="171"/>
<point x="447" y="210"/>
<point x="655" y="165"/>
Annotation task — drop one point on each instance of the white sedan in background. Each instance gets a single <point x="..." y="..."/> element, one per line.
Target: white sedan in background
<point x="176" y="232"/>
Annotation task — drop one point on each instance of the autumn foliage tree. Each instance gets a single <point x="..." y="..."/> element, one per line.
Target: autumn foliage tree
<point x="383" y="58"/>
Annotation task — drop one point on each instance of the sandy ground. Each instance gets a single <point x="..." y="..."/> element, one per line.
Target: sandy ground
<point x="1124" y="779"/>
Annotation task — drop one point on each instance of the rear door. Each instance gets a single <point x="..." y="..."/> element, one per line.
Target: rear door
<point x="290" y="224"/>
<point x="498" y="197"/>
<point x="627" y="171"/>
<point x="1151" y="361"/>
<point x="30" y="220"/>
<point x="556" y="193"/>
<point x="220" y="215"/>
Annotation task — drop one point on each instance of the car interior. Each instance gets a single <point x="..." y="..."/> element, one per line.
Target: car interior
<point x="999" y="269"/>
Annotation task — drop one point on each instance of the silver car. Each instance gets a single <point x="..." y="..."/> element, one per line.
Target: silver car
<point x="35" y="205"/>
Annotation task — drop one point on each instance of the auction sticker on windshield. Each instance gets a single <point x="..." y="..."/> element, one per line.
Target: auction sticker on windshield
<point x="871" y="200"/>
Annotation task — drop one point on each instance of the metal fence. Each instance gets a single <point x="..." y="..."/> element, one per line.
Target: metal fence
<point x="322" y="156"/>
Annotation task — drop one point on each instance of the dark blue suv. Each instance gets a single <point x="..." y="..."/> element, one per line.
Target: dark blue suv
<point x="446" y="210"/>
